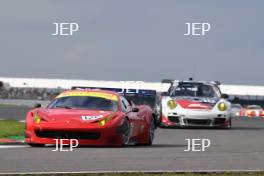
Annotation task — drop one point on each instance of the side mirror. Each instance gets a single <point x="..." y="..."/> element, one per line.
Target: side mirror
<point x="225" y="96"/>
<point x="37" y="105"/>
<point x="135" y="109"/>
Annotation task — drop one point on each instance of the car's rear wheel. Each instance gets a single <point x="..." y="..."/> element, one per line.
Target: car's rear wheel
<point x="36" y="145"/>
<point x="126" y="132"/>
<point x="151" y="132"/>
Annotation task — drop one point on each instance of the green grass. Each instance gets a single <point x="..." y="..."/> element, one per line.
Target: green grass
<point x="165" y="174"/>
<point x="11" y="128"/>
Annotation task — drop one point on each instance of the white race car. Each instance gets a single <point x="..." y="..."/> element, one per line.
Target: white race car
<point x="195" y="103"/>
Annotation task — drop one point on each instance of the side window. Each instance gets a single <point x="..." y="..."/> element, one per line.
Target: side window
<point x="218" y="91"/>
<point x="125" y="105"/>
<point x="124" y="108"/>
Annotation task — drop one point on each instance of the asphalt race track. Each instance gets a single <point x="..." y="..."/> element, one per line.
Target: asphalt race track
<point x="240" y="148"/>
<point x="13" y="112"/>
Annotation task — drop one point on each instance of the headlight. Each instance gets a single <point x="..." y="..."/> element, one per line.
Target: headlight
<point x="172" y="104"/>
<point x="36" y="119"/>
<point x="222" y="106"/>
<point x="103" y="121"/>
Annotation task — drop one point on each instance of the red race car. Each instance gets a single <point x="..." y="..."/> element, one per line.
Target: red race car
<point x="93" y="117"/>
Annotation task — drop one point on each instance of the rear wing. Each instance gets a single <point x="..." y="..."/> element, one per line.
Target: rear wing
<point x="174" y="83"/>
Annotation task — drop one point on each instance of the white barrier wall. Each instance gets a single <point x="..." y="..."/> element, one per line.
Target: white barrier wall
<point x="67" y="84"/>
<point x="242" y="90"/>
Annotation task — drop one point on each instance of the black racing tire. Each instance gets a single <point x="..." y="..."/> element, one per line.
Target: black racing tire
<point x="156" y="119"/>
<point x="36" y="145"/>
<point x="151" y="132"/>
<point x="230" y="124"/>
<point x="126" y="133"/>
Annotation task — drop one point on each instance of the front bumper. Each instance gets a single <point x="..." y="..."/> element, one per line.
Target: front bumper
<point x="47" y="134"/>
<point x="195" y="119"/>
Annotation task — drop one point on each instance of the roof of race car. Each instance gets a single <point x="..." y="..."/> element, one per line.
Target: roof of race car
<point x="177" y="83"/>
<point x="190" y="80"/>
<point x="93" y="93"/>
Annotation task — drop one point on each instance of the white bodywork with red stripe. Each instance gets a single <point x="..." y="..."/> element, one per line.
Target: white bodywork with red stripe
<point x="195" y="111"/>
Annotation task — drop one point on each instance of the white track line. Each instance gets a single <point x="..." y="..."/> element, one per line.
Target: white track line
<point x="13" y="146"/>
<point x="133" y="171"/>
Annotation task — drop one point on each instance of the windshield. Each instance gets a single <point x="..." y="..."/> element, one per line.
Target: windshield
<point x="84" y="102"/>
<point x="195" y="90"/>
<point x="142" y="100"/>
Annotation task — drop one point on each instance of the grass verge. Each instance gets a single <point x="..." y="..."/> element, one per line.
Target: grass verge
<point x="11" y="128"/>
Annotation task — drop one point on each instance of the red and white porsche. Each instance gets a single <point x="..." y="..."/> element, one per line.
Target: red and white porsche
<point x="195" y="103"/>
<point x="93" y="117"/>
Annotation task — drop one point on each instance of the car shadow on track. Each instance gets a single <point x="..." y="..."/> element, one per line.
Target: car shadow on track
<point x="216" y="128"/>
<point x="127" y="146"/>
<point x="159" y="146"/>
<point x="248" y="128"/>
<point x="193" y="128"/>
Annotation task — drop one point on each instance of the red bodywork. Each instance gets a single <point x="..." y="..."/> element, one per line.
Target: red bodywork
<point x="189" y="104"/>
<point x="68" y="124"/>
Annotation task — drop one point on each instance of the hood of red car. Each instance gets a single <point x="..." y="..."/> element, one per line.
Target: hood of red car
<point x="56" y="115"/>
<point x="196" y="103"/>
